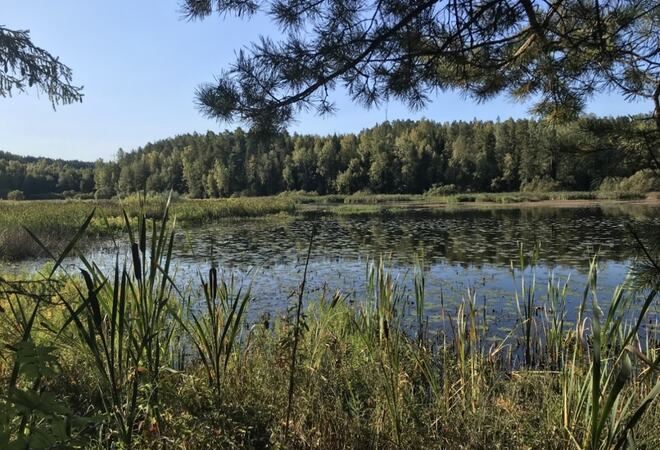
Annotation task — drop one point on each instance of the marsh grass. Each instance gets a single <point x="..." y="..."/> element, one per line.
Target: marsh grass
<point x="121" y="323"/>
<point x="359" y="198"/>
<point x="519" y="197"/>
<point x="499" y="197"/>
<point x="215" y="331"/>
<point x="56" y="221"/>
<point x="167" y="368"/>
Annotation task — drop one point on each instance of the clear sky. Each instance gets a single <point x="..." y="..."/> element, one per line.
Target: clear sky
<point x="140" y="63"/>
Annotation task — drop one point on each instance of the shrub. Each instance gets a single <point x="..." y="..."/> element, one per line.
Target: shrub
<point x="642" y="181"/>
<point x="16" y="195"/>
<point x="69" y="194"/>
<point x="440" y="189"/>
<point x="461" y="198"/>
<point x="103" y="193"/>
<point x="540" y="184"/>
<point x="645" y="180"/>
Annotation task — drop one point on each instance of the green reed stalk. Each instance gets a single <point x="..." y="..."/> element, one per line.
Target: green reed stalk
<point x="214" y="334"/>
<point x="419" y="285"/>
<point x="599" y="411"/>
<point x="121" y="324"/>
<point x="296" y="336"/>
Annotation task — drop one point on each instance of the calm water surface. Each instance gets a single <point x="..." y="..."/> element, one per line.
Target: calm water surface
<point x="467" y="248"/>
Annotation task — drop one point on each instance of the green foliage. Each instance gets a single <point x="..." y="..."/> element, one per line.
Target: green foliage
<point x="215" y="333"/>
<point x="646" y="180"/>
<point x="441" y="190"/>
<point x="31" y="415"/>
<point x="555" y="53"/>
<point x="15" y="195"/>
<point x="404" y="157"/>
<point x="120" y="321"/>
<point x="104" y="193"/>
<point x="24" y="65"/>
<point x="540" y="185"/>
<point x="363" y="378"/>
<point x="44" y="177"/>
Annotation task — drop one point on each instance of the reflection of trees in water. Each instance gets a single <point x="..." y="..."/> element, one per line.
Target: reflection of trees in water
<point x="568" y="236"/>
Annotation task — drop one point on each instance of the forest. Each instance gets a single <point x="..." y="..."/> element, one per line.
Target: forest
<point x="393" y="157"/>
<point x="44" y="177"/>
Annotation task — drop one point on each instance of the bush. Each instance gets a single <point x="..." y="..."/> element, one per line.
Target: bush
<point x="69" y="194"/>
<point x="440" y="189"/>
<point x="464" y="198"/>
<point x="16" y="195"/>
<point x="103" y="193"/>
<point x="538" y="184"/>
<point x="85" y="196"/>
<point x="645" y="180"/>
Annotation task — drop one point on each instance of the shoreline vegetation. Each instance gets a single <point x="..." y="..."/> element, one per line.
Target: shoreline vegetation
<point x="55" y="221"/>
<point x="116" y="333"/>
<point x="126" y="359"/>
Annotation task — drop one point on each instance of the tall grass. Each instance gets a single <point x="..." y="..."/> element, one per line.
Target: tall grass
<point x="601" y="410"/>
<point x="296" y="339"/>
<point x="55" y="222"/>
<point x="215" y="332"/>
<point x="335" y="374"/>
<point x="122" y="323"/>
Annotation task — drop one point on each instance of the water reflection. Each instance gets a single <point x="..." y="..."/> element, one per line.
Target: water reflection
<point x="469" y="238"/>
<point x="462" y="248"/>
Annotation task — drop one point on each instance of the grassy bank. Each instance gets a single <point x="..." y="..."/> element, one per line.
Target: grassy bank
<point x="500" y="197"/>
<point x="124" y="359"/>
<point x="54" y="222"/>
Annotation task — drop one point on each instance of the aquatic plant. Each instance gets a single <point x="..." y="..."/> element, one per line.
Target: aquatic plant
<point x="174" y="366"/>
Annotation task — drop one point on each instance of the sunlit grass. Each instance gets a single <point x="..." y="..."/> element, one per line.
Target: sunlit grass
<point x="126" y="358"/>
<point x="55" y="221"/>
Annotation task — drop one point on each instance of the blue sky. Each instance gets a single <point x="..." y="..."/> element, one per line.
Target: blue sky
<point x="140" y="63"/>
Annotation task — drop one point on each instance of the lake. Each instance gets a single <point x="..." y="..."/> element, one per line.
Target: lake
<point x="462" y="248"/>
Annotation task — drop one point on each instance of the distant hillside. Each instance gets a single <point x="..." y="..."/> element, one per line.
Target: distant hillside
<point x="392" y="157"/>
<point x="33" y="159"/>
<point x="39" y="177"/>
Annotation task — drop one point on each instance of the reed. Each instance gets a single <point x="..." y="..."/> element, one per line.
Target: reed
<point x="119" y="322"/>
<point x="177" y="367"/>
<point x="56" y="221"/>
<point x="215" y="332"/>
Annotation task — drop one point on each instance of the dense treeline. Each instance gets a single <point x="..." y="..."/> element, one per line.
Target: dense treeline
<point x="393" y="157"/>
<point x="43" y="177"/>
<point x="402" y="156"/>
